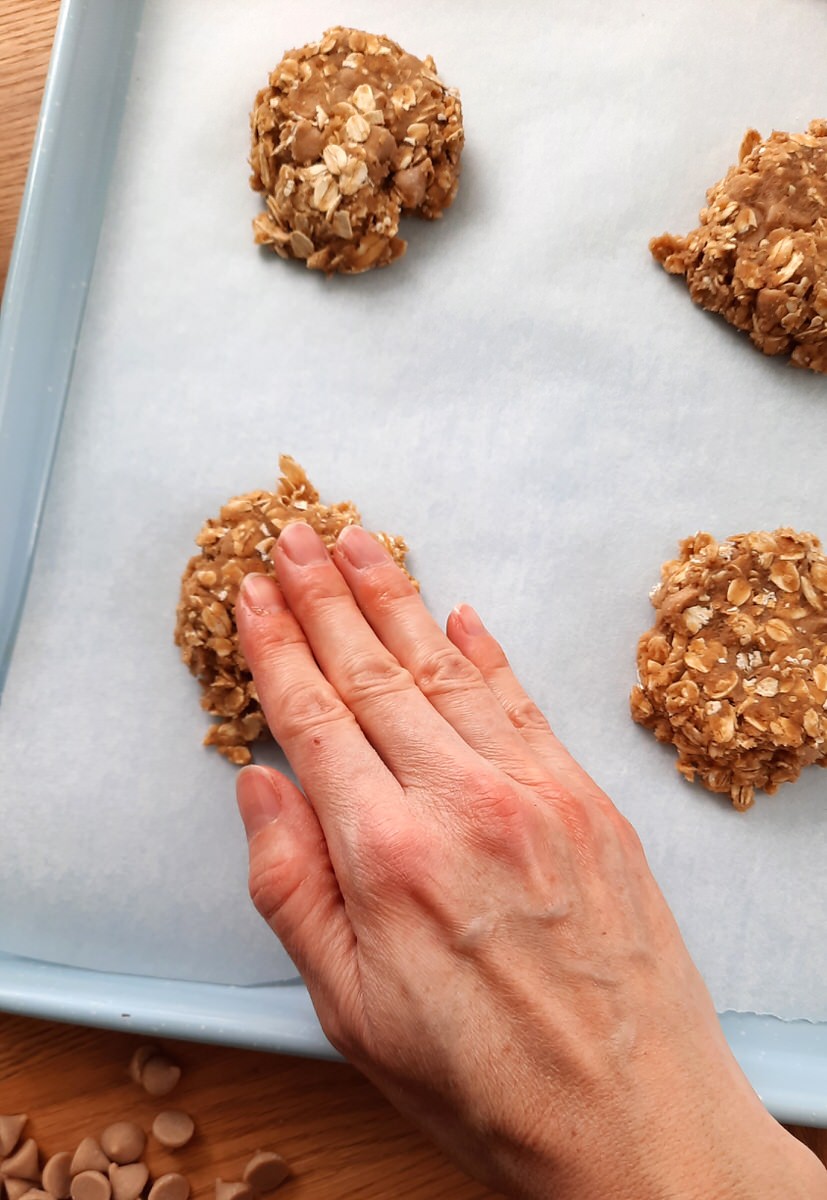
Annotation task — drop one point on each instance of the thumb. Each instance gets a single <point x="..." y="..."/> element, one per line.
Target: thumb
<point x="294" y="887"/>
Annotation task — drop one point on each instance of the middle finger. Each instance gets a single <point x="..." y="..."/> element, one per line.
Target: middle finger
<point x="451" y="683"/>
<point x="407" y="733"/>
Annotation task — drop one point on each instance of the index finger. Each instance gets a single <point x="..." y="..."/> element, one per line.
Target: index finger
<point x="339" y="771"/>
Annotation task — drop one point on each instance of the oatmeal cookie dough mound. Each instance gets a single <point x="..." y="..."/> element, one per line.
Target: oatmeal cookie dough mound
<point x="734" y="670"/>
<point x="759" y="255"/>
<point x="235" y="544"/>
<point x="350" y="133"/>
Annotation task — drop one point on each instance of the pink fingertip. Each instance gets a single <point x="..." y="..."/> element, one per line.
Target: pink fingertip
<point x="302" y="545"/>
<point x="469" y="621"/>
<point x="262" y="594"/>
<point x="258" y="800"/>
<point x="360" y="548"/>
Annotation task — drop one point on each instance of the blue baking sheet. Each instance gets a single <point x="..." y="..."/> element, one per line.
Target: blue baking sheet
<point x="41" y="318"/>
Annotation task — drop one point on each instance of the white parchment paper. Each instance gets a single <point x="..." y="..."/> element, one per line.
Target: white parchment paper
<point x="533" y="403"/>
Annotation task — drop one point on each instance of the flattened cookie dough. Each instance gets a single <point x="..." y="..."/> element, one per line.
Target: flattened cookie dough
<point x="350" y="133"/>
<point x="734" y="670"/>
<point x="232" y="545"/>
<point x="759" y="255"/>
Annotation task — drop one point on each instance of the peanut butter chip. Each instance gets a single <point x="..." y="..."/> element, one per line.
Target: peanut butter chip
<point x="90" y="1185"/>
<point x="170" y="1187"/>
<point x="173" y="1128"/>
<point x="33" y="1193"/>
<point x="159" y="1075"/>
<point x="128" y="1182"/>
<point x="139" y="1060"/>
<point x="266" y="1171"/>
<point x="759" y="255"/>
<point x="351" y="133"/>
<point x="734" y="671"/>
<point x="239" y="542"/>
<point x="89" y="1157"/>
<point x="16" y="1188"/>
<point x="57" y="1175"/>
<point x="232" y="1191"/>
<point x="123" y="1142"/>
<point x="23" y="1163"/>
<point x="11" y="1128"/>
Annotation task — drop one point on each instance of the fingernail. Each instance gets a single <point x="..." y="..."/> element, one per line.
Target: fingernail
<point x="469" y="620"/>
<point x="301" y="545"/>
<point x="258" y="799"/>
<point x="360" y="548"/>
<point x="262" y="594"/>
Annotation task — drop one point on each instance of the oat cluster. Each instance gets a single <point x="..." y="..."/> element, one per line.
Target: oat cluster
<point x="734" y="670"/>
<point x="237" y="543"/>
<point x="759" y="255"/>
<point x="350" y="133"/>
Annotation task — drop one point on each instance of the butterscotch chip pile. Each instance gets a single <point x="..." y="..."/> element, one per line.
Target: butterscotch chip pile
<point x="350" y="133"/>
<point x="759" y="255"/>
<point x="239" y="542"/>
<point x="734" y="670"/>
<point x="112" y="1169"/>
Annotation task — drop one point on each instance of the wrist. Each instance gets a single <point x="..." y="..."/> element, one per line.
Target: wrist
<point x="716" y="1142"/>
<point x="735" y="1151"/>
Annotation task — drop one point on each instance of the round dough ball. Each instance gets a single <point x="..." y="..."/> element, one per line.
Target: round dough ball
<point x="350" y="133"/>
<point x="734" y="671"/>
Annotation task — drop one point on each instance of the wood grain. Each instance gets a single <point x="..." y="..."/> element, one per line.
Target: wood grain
<point x="341" y="1138"/>
<point x="26" y="31"/>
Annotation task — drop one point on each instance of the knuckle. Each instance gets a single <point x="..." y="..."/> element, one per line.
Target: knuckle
<point x="264" y="892"/>
<point x="386" y="588"/>
<point x="371" y="677"/>
<point x="625" y="831"/>
<point x="322" y="587"/>
<point x="592" y="824"/>
<point x="309" y="706"/>
<point x="525" y="715"/>
<point x="263" y="643"/>
<point x="444" y="670"/>
<point x="394" y="857"/>
<point x="576" y="815"/>
<point x="270" y="881"/>
<point x="497" y="813"/>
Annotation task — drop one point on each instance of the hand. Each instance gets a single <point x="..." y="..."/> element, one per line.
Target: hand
<point x="476" y="923"/>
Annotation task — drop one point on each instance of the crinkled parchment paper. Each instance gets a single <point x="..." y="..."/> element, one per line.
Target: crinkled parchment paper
<point x="526" y="396"/>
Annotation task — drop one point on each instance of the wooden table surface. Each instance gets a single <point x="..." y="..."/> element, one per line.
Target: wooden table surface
<point x="341" y="1138"/>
